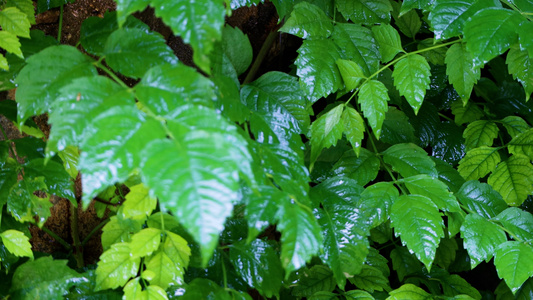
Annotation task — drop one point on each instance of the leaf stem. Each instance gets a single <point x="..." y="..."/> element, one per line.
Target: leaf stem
<point x="261" y="56"/>
<point x="60" y="27"/>
<point x="56" y="237"/>
<point x="93" y="232"/>
<point x="99" y="65"/>
<point x="78" y="249"/>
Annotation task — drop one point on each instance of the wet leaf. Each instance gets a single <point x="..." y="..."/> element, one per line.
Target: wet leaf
<point x="356" y="43"/>
<point x="520" y="64"/>
<point x="518" y="222"/>
<point x="169" y="262"/>
<point x="388" y="40"/>
<point x="481" y="238"/>
<point x="460" y="70"/>
<point x="434" y="189"/>
<point x="373" y="99"/>
<point x="513" y="179"/>
<point x="326" y="131"/>
<point x="363" y="168"/>
<point x="479" y="162"/>
<point x="480" y="133"/>
<point x="308" y="21"/>
<point x="409" y="291"/>
<point x="354" y="128"/>
<point x="366" y="12"/>
<point x="511" y="261"/>
<point x="17" y="243"/>
<point x="409" y="160"/>
<point x="317" y="279"/>
<point x="411" y="77"/>
<point x="481" y="199"/>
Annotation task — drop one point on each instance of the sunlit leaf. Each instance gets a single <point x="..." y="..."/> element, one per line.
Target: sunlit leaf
<point x="139" y="203"/>
<point x="134" y="290"/>
<point x="17" y="243"/>
<point x="15" y="21"/>
<point x="514" y="125"/>
<point x="145" y="242"/>
<point x="116" y="267"/>
<point x="170" y="261"/>
<point x="522" y="143"/>
<point x="519" y="222"/>
<point x="480" y="133"/>
<point x="478" y="162"/>
<point x="513" y="179"/>
<point x="409" y="291"/>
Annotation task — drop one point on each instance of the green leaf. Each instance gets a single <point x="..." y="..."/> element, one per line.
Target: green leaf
<point x="370" y="279"/>
<point x="376" y="201"/>
<point x="132" y="51"/>
<point x="455" y="285"/>
<point x="411" y="77"/>
<point x="23" y="203"/>
<point x="316" y="279"/>
<point x="301" y="238"/>
<point x="466" y="113"/>
<point x="70" y="156"/>
<point x="48" y="70"/>
<point x="308" y="21"/>
<point x="119" y="230"/>
<point x="512" y="263"/>
<point x="481" y="238"/>
<point x="44" y="278"/>
<point x="522" y="143"/>
<point x="325" y="132"/>
<point x="446" y="253"/>
<point x="434" y="189"/>
<point x="409" y="160"/>
<point x="480" y="133"/>
<point x="145" y="242"/>
<point x="490" y="32"/>
<point x="448" y="17"/>
<point x="409" y="23"/>
<point x="397" y="128"/>
<point x="417" y="221"/>
<point x="409" y="291"/>
<point x="240" y="3"/>
<point x="524" y="37"/>
<point x="354" y="128"/>
<point x="404" y="262"/>
<point x="261" y="209"/>
<point x="481" y="199"/>
<point x="55" y="177"/>
<point x="228" y="99"/>
<point x="436" y="54"/>
<point x="514" y="125"/>
<point x="460" y="70"/>
<point x="10" y="43"/>
<point x="513" y="179"/>
<point x="317" y="70"/>
<point x="15" y="21"/>
<point x="116" y="267"/>
<point x="4" y="65"/>
<point x="25" y="6"/>
<point x="17" y="243"/>
<point x="358" y="295"/>
<point x="373" y="98"/>
<point x="258" y="265"/>
<point x="388" y="40"/>
<point x="408" y="5"/>
<point x="520" y="64"/>
<point x="518" y="222"/>
<point x="127" y="7"/>
<point x="363" y="168"/>
<point x="139" y="203"/>
<point x="448" y="175"/>
<point x="165" y="89"/>
<point x="356" y="43"/>
<point x="367" y="12"/>
<point x="134" y="290"/>
<point x="351" y="73"/>
<point x="237" y="48"/>
<point x="479" y="162"/>
<point x="170" y="261"/>
<point x="44" y="5"/>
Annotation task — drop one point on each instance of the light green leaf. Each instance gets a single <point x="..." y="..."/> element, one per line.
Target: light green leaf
<point x="513" y="179"/>
<point x="367" y="12"/>
<point x="370" y="279"/>
<point x="127" y="7"/>
<point x="354" y="128"/>
<point x="411" y="78"/>
<point x="258" y="265"/>
<point x="10" y="43"/>
<point x="363" y="168"/>
<point x="356" y="43"/>
<point x="314" y="280"/>
<point x="409" y="160"/>
<point x="448" y="17"/>
<point x="228" y="99"/>
<point x="351" y="73"/>
<point x="514" y="125"/>
<point x="132" y="51"/>
<point x="388" y="40"/>
<point x="478" y="162"/>
<point x="44" y="278"/>
<point x="417" y="221"/>
<point x="317" y="69"/>
<point x="373" y="98"/>
<point x="522" y="143"/>
<point x="519" y="222"/>
<point x="145" y="242"/>
<point x="4" y="65"/>
<point x="134" y="290"/>
<point x="520" y="64"/>
<point x="490" y="32"/>
<point x="48" y="70"/>
<point x="512" y="261"/>
<point x="481" y="238"/>
<point x="198" y="23"/>
<point x="481" y="199"/>
<point x="116" y="267"/>
<point x="17" y="243"/>
<point x="404" y="262"/>
<point x="409" y="291"/>
<point x="139" y="203"/>
<point x="480" y="133"/>
<point x="118" y="230"/>
<point x="170" y="261"/>
<point x="460" y="70"/>
<point x="308" y="21"/>
<point x="70" y="156"/>
<point x="25" y="6"/>
<point x="325" y="132"/>
<point x="15" y="21"/>
<point x="434" y="189"/>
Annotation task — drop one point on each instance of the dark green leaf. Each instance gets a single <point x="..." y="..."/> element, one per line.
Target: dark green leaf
<point x="261" y="209"/>
<point x="56" y="178"/>
<point x="481" y="199"/>
<point x="409" y="160"/>
<point x="397" y="128"/>
<point x="237" y="48"/>
<point x="481" y="238"/>
<point x="44" y="5"/>
<point x="354" y="128"/>
<point x="466" y="113"/>
<point x="351" y="73"/>
<point x="373" y="99"/>
<point x="513" y="179"/>
<point x="411" y="77"/>
<point x="518" y="222"/>
<point x="308" y="21"/>
<point x="317" y="279"/>
<point x="229" y="99"/>
<point x="370" y="279"/>
<point x="446" y="253"/>
<point x="356" y="43"/>
<point x="389" y="41"/>
<point x="326" y="131"/>
<point x="480" y="133"/>
<point x="363" y="168"/>
<point x="479" y="162"/>
<point x="521" y="67"/>
<point x="448" y="175"/>
<point x="512" y="263"/>
<point x="408" y="5"/>
<point x="23" y="203"/>
<point x="409" y="23"/>
<point x="367" y="12"/>
<point x="404" y="262"/>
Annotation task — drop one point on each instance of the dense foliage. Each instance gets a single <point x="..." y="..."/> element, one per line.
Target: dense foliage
<point x="394" y="160"/>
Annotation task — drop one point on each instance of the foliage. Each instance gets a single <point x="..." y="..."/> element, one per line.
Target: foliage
<point x="403" y="141"/>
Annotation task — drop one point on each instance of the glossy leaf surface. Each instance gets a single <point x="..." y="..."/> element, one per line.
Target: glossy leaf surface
<point x="513" y="179"/>
<point x="508" y="258"/>
<point x="373" y="99"/>
<point x="409" y="160"/>
<point x="460" y="70"/>
<point x="411" y="78"/>
<point x="308" y="21"/>
<point x="481" y="238"/>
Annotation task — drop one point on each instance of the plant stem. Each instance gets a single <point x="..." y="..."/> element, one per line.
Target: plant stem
<point x="60" y="23"/>
<point x="57" y="238"/>
<point x="93" y="232"/>
<point x="261" y="56"/>
<point x="78" y="249"/>
<point x="98" y="64"/>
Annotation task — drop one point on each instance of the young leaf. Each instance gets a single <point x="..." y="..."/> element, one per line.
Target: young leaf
<point x="415" y="211"/>
<point x="373" y="98"/>
<point x="409" y="291"/>
<point x="139" y="203"/>
<point x="132" y="51"/>
<point x="520" y="64"/>
<point x="145" y="242"/>
<point x="119" y="230"/>
<point x="460" y="70"/>
<point x="351" y="73"/>
<point x="411" y="77"/>
<point x="388" y="40"/>
<point x="409" y="160"/>
<point x="14" y="21"/>
<point x="514" y="125"/>
<point x="518" y="222"/>
<point x="481" y="238"/>
<point x="134" y="290"/>
<point x="308" y="21"/>
<point x="354" y="128"/>
<point x="355" y="42"/>
<point x="480" y="133"/>
<point x="10" y="43"/>
<point x="25" y="6"/>
<point x="49" y="71"/>
<point x="258" y="265"/>
<point x="513" y="179"/>
<point x="317" y="70"/>
<point x="363" y="168"/>
<point x="116" y="267"/>
<point x="325" y="132"/>
<point x="512" y="263"/>
<point x="434" y="189"/>
<point x="449" y="16"/>
<point x="479" y="162"/>
<point x="481" y="199"/>
<point x="522" y="143"/>
<point x="490" y="32"/>
<point x="17" y="243"/>
<point x="367" y="12"/>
